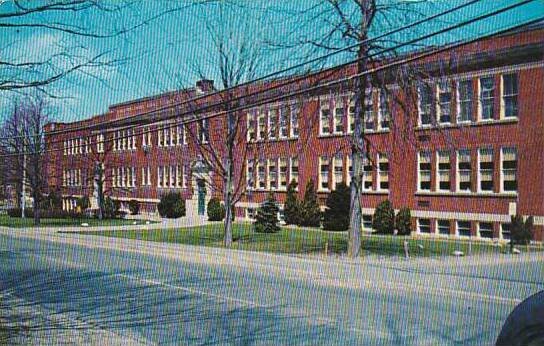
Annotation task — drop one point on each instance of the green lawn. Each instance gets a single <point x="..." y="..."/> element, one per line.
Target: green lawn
<point x="299" y="241"/>
<point x="17" y="222"/>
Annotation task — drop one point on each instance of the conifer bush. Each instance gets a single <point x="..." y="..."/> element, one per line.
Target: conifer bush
<point x="171" y="205"/>
<point x="384" y="218"/>
<point x="267" y="216"/>
<point x="521" y="232"/>
<point x="403" y="222"/>
<point x="310" y="214"/>
<point x="216" y="211"/>
<point x="291" y="209"/>
<point x="336" y="216"/>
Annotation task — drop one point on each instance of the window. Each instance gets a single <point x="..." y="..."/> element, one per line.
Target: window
<point x="159" y="176"/>
<point x="424" y="166"/>
<point x="144" y="179"/>
<point x="159" y="138"/>
<point x="261" y="118"/>
<point x="272" y="123"/>
<point x="350" y="170"/>
<point x="115" y="140"/>
<point x="367" y="173"/>
<point x="351" y="115"/>
<point x="424" y="226"/>
<point x="383" y="172"/>
<point x="509" y="96"/>
<point x="146" y="137"/>
<point x="487" y="89"/>
<point x="425" y="104"/>
<point x="505" y="231"/>
<point x="485" y="230"/>
<point x="283" y="173"/>
<point x="509" y="167"/>
<point x="261" y="175"/>
<point x="367" y="222"/>
<point x="463" y="228"/>
<point x="464" y="170"/>
<point x="444" y="169"/>
<point x="100" y="143"/>
<point x="294" y="169"/>
<point x="465" y="94"/>
<point x="179" y="135"/>
<point x="370" y="123"/>
<point x="338" y="170"/>
<point x="284" y="119"/>
<point x="444" y="102"/>
<point x="443" y="227"/>
<point x="485" y="173"/>
<point x="133" y="176"/>
<point x="166" y="135"/>
<point x="294" y="120"/>
<point x="250" y="172"/>
<point x="273" y="174"/>
<point x="384" y="111"/>
<point x="339" y="116"/>
<point x="324" y="127"/>
<point x="324" y="173"/>
<point x="203" y="131"/>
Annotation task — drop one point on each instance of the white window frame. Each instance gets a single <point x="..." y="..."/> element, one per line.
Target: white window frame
<point x="293" y="176"/>
<point x="481" y="99"/>
<point x="458" y="234"/>
<point x="419" y="171"/>
<point x="338" y="101"/>
<point x="273" y="119"/>
<point x="324" y="105"/>
<point x="458" y="171"/>
<point x="440" y="89"/>
<point x="469" y="100"/>
<point x="418" y="226"/>
<point x="420" y="104"/>
<point x="504" y="96"/>
<point x="479" y="229"/>
<point x="294" y="118"/>
<point x="438" y="172"/>
<point x="502" y="169"/>
<point x="437" y="227"/>
<point x="323" y="160"/>
<point x="379" y="172"/>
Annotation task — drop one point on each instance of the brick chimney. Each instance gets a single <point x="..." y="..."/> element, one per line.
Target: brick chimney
<point x="204" y="86"/>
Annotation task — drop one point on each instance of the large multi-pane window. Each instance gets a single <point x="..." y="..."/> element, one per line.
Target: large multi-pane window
<point x="351" y="115"/>
<point x="100" y="143"/>
<point x="424" y="168"/>
<point x="444" y="102"/>
<point x="203" y="131"/>
<point x="370" y="121"/>
<point x="250" y="174"/>
<point x="463" y="228"/>
<point x="443" y="172"/>
<point x="367" y="173"/>
<point x="324" y="118"/>
<point x="251" y="130"/>
<point x="283" y="173"/>
<point x="261" y="125"/>
<point x="272" y="123"/>
<point x="505" y="231"/>
<point x="146" y="176"/>
<point x="383" y="172"/>
<point x="509" y="167"/>
<point x="339" y="114"/>
<point x="294" y="114"/>
<point x="443" y="227"/>
<point x="293" y="171"/>
<point x="284" y="120"/>
<point x="485" y="230"/>
<point x="261" y="175"/>
<point x="424" y="226"/>
<point x="465" y="95"/>
<point x="425" y="104"/>
<point x="487" y="91"/>
<point x="273" y="174"/>
<point x="384" y="112"/>
<point x="464" y="171"/>
<point x="510" y="95"/>
<point x="324" y="168"/>
<point x="485" y="169"/>
<point x="338" y="170"/>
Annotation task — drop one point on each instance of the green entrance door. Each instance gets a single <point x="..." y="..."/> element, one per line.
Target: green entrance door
<point x="201" y="197"/>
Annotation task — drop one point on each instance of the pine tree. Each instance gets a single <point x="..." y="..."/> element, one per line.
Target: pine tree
<point x="310" y="214"/>
<point x="403" y="222"/>
<point x="521" y="232"/>
<point x="336" y="216"/>
<point x="291" y="209"/>
<point x="384" y="218"/>
<point x="267" y="216"/>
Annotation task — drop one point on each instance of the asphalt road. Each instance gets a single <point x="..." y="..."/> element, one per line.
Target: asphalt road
<point x="92" y="290"/>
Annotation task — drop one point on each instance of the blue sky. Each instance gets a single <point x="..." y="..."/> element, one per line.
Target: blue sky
<point x="161" y="56"/>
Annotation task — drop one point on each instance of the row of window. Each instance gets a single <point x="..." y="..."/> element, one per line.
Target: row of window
<point x="76" y="146"/>
<point x="281" y="122"/>
<point x="272" y="174"/>
<point x="72" y="177"/>
<point x="171" y="177"/>
<point x="459" y="228"/>
<point x="485" y="178"/>
<point x="439" y="104"/>
<point x="337" y="115"/>
<point x="123" y="177"/>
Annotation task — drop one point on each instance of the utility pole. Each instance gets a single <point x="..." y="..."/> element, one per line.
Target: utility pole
<point x="23" y="194"/>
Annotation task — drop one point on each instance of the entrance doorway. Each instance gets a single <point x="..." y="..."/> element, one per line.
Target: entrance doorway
<point x="201" y="197"/>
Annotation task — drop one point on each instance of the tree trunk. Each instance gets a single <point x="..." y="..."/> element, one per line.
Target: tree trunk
<point x="228" y="205"/>
<point x="357" y="151"/>
<point x="36" y="208"/>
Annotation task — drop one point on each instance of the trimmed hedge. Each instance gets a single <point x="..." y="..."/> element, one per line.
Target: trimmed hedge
<point x="47" y="214"/>
<point x="171" y="205"/>
<point x="216" y="211"/>
<point x="134" y="207"/>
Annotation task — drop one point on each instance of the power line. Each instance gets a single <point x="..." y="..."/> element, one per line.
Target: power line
<point x="213" y="106"/>
<point x="303" y="91"/>
<point x="273" y="74"/>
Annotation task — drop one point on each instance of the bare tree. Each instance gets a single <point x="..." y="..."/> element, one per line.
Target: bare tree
<point x="23" y="138"/>
<point x="235" y="59"/>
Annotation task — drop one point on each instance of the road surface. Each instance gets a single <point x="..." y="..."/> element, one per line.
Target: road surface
<point x="75" y="289"/>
